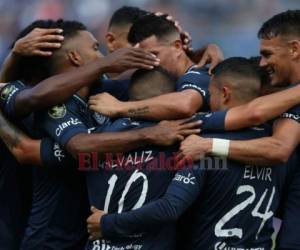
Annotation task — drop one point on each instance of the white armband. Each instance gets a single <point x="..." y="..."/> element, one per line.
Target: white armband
<point x="220" y="147"/>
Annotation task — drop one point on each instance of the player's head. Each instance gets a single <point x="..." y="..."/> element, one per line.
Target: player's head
<point x="280" y="47"/>
<point x="119" y="26"/>
<point x="149" y="83"/>
<point x="235" y="81"/>
<point x="161" y="37"/>
<point x="79" y="47"/>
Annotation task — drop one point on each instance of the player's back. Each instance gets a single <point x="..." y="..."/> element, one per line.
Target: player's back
<point x="129" y="180"/>
<point x="237" y="203"/>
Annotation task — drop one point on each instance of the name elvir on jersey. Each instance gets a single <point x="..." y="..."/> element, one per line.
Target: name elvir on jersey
<point x="258" y="173"/>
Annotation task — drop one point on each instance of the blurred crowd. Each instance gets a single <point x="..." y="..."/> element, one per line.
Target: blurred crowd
<point x="232" y="24"/>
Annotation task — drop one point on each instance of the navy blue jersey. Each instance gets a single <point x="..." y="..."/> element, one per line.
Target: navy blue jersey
<point x="127" y="181"/>
<point x="117" y="88"/>
<point x="15" y="180"/>
<point x="60" y="205"/>
<point x="197" y="79"/>
<point x="288" y="237"/>
<point x="233" y="203"/>
<point x="11" y="198"/>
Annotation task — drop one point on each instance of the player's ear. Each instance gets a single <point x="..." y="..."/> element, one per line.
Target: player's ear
<point x="226" y="94"/>
<point x="294" y="49"/>
<point x="75" y="58"/>
<point x="110" y="40"/>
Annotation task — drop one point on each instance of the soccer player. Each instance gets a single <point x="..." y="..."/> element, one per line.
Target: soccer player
<point x="233" y="203"/>
<point x="119" y="26"/>
<point x="280" y="51"/>
<point x="15" y="187"/>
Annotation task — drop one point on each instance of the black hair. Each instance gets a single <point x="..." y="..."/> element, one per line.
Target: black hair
<point x="145" y="84"/>
<point x="264" y="76"/>
<point x="150" y="25"/>
<point x="236" y="66"/>
<point x="243" y="75"/>
<point x="126" y="15"/>
<point x="284" y="24"/>
<point x="37" y="67"/>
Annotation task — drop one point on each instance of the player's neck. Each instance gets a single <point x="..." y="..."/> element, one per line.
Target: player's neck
<point x="186" y="64"/>
<point x="295" y="74"/>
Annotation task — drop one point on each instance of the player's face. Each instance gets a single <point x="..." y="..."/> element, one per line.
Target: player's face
<point x="275" y="58"/>
<point x="215" y="101"/>
<point x="88" y="47"/>
<point x="117" y="38"/>
<point x="166" y="52"/>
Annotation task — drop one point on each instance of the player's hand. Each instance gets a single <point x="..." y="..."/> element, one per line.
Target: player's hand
<point x="2" y="85"/>
<point x="93" y="224"/>
<point x="194" y="147"/>
<point x="130" y="58"/>
<point x="213" y="55"/>
<point x="167" y="133"/>
<point x="39" y="42"/>
<point x="105" y="104"/>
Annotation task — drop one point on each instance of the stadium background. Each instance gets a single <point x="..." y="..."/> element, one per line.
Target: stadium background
<point x="232" y="24"/>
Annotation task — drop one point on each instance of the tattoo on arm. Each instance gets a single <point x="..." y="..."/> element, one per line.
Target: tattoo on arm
<point x="138" y="111"/>
<point x="10" y="134"/>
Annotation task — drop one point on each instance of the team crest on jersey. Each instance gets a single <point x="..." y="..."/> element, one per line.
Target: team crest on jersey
<point x="100" y="119"/>
<point x="58" y="111"/>
<point x="6" y="91"/>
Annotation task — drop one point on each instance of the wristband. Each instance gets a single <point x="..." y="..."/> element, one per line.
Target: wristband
<point x="220" y="147"/>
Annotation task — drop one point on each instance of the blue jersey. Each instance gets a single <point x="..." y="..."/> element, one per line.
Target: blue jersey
<point x="61" y="123"/>
<point x="233" y="203"/>
<point x="129" y="180"/>
<point x="198" y="80"/>
<point x="15" y="181"/>
<point x="288" y="237"/>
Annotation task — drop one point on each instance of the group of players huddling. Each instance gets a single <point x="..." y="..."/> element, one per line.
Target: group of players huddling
<point x="147" y="148"/>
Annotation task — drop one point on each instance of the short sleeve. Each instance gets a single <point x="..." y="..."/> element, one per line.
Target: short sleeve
<point x="61" y="123"/>
<point x="8" y="96"/>
<point x="53" y="155"/>
<point x="293" y="113"/>
<point x="197" y="80"/>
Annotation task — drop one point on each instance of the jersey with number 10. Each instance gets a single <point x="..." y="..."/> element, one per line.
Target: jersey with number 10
<point x="126" y="182"/>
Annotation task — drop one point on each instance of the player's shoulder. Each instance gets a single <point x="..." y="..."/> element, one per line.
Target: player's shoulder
<point x="10" y="89"/>
<point x="195" y="73"/>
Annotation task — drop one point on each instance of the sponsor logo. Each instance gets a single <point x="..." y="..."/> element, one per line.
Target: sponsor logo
<point x="7" y="91"/>
<point x="58" y="111"/>
<point x="194" y="87"/>
<point x="100" y="119"/>
<point x="185" y="179"/>
<point x="223" y="246"/>
<point x="58" y="152"/>
<point x="290" y="116"/>
<point x="66" y="124"/>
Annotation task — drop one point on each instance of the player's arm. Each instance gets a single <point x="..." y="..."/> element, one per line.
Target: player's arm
<point x="39" y="42"/>
<point x="65" y="127"/>
<point x="165" y="133"/>
<point x="191" y="96"/>
<point x="178" y="197"/>
<point x="262" y="109"/>
<point x="272" y="150"/>
<point x="58" y="88"/>
<point x="22" y="147"/>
